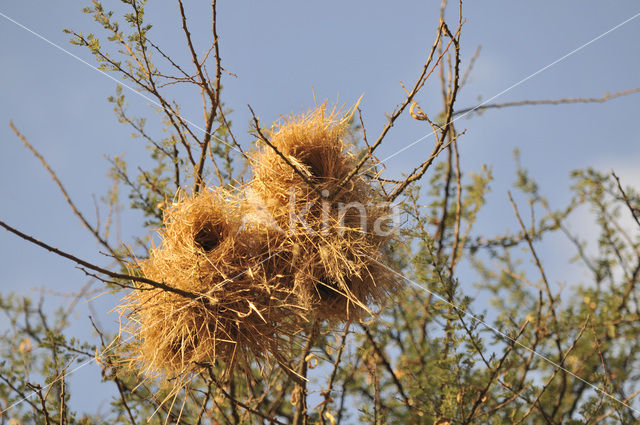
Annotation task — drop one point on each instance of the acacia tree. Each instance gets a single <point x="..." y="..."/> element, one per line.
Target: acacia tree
<point x="427" y="358"/>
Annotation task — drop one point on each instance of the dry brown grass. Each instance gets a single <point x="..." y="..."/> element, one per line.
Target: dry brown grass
<point x="257" y="284"/>
<point x="243" y="308"/>
<point x="332" y="245"/>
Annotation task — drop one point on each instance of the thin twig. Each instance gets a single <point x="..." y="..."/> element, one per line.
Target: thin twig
<point x="265" y="139"/>
<point x="392" y="119"/>
<point x="387" y="366"/>
<point x="602" y="99"/>
<point x="94" y="231"/>
<point x="241" y="404"/>
<point x="418" y="172"/>
<point x="332" y="377"/>
<point x="472" y="62"/>
<point x="157" y="285"/>
<point x="626" y="199"/>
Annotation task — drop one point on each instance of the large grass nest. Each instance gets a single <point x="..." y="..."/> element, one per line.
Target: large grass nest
<point x="336" y="234"/>
<point x="242" y="309"/>
<point x="266" y="260"/>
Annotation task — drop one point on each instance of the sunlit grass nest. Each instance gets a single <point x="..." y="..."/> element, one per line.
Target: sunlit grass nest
<point x="329" y="231"/>
<point x="339" y="277"/>
<point x="260" y="264"/>
<point x="314" y="143"/>
<point x="242" y="309"/>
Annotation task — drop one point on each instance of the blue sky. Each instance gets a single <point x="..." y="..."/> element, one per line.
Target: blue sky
<point x="282" y="52"/>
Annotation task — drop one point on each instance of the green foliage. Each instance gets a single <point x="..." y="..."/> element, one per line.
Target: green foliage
<point x="516" y="349"/>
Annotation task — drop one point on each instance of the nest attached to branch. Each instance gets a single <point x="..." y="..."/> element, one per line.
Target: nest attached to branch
<point x="261" y="263"/>
<point x="241" y="309"/>
<point x="336" y="235"/>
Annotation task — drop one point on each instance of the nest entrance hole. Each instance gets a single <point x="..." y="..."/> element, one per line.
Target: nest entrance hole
<point x="314" y="165"/>
<point x="327" y="290"/>
<point x="315" y="161"/>
<point x="209" y="236"/>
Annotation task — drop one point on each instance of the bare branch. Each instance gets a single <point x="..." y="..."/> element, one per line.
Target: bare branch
<point x="213" y="94"/>
<point x="417" y="173"/>
<point x="602" y="99"/>
<point x="387" y="366"/>
<point x="157" y="285"/>
<point x="632" y="209"/>
<point x="424" y="75"/>
<point x="265" y="139"/>
<point x="301" y="417"/>
<point x="94" y="231"/>
<point x="45" y="411"/>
